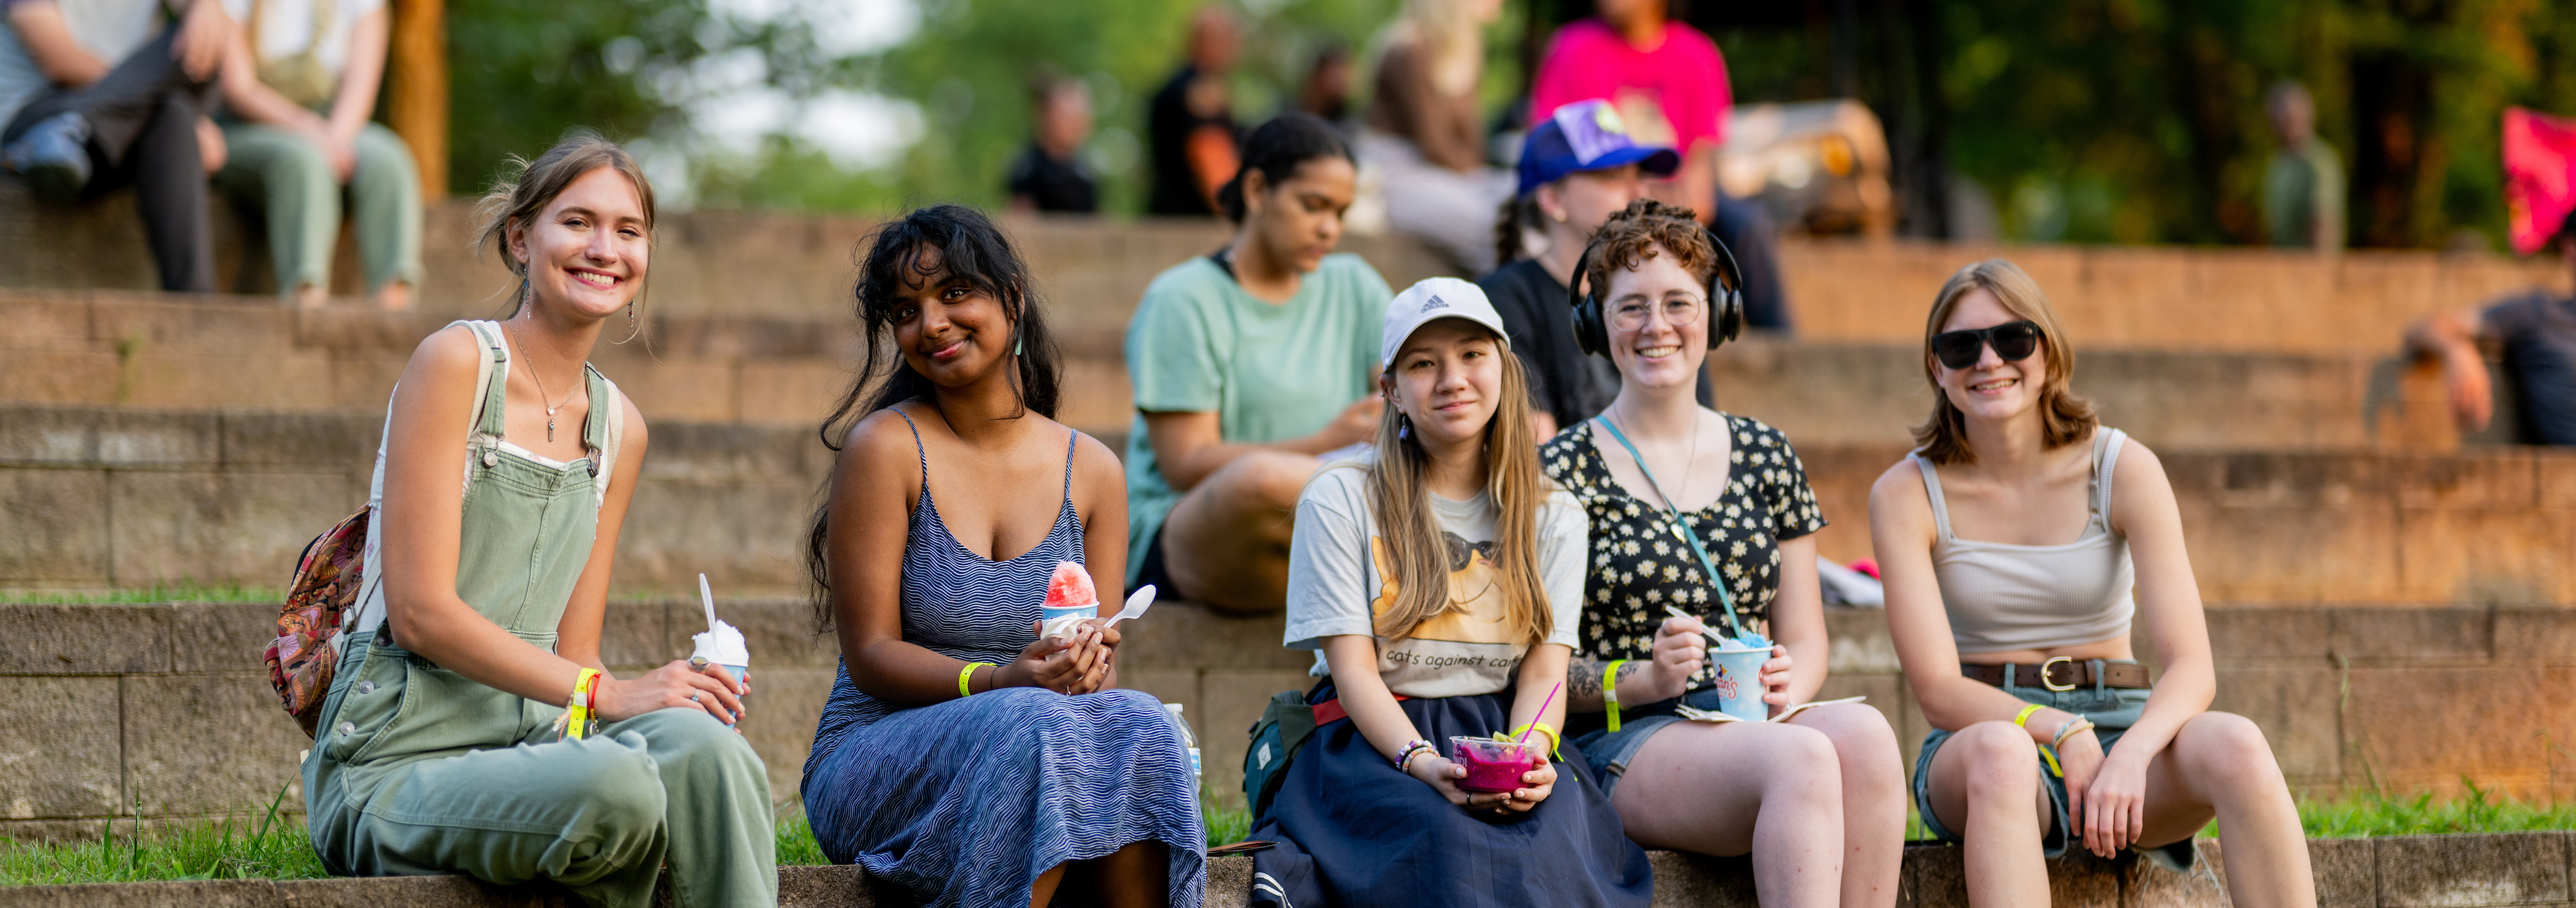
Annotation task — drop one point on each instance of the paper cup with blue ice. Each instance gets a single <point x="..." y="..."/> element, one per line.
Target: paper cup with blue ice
<point x="721" y="643"/>
<point x="1736" y="666"/>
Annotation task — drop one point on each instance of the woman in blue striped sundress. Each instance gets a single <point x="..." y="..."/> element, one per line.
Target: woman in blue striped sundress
<point x="961" y="756"/>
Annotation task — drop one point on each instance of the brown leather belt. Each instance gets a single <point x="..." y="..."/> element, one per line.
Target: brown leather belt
<point x="2062" y="674"/>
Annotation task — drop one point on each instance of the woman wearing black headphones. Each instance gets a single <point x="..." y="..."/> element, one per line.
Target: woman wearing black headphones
<point x="1817" y="797"/>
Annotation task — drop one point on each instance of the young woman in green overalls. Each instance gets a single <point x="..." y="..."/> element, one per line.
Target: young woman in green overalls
<point x="441" y="748"/>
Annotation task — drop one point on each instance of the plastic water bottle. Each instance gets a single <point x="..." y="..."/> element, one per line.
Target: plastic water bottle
<point x="1189" y="741"/>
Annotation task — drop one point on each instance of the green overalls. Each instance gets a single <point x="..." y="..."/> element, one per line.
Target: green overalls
<point x="419" y="770"/>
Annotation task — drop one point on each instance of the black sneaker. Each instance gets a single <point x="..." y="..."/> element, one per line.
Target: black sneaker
<point x="54" y="157"/>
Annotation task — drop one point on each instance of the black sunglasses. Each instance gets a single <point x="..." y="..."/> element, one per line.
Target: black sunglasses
<point x="2013" y="341"/>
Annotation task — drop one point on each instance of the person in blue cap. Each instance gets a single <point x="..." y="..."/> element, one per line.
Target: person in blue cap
<point x="1578" y="167"/>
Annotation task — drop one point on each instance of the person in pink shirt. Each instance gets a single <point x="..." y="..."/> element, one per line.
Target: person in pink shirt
<point x="1666" y="78"/>
<point x="1669" y="84"/>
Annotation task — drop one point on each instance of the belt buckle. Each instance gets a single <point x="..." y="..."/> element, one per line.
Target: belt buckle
<point x="2045" y="681"/>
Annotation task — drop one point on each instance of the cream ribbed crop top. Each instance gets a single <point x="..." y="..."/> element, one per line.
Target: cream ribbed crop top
<point x="2011" y="597"/>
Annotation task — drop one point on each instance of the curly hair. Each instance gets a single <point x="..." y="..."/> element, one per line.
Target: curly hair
<point x="1639" y="231"/>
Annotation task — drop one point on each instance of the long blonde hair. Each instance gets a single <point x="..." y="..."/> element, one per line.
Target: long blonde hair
<point x="1417" y="554"/>
<point x="2064" y="417"/>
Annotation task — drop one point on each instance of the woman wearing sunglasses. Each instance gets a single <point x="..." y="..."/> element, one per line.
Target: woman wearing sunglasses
<point x="2010" y="541"/>
<point x="1818" y="798"/>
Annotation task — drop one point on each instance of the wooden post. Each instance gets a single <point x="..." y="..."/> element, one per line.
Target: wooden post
<point x="418" y="107"/>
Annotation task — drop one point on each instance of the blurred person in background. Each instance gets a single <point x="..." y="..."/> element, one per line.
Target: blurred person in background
<point x="1577" y="168"/>
<point x="1669" y="83"/>
<point x="1050" y="174"/>
<point x="105" y="92"/>
<point x="299" y="88"/>
<point x="1246" y="365"/>
<point x="2536" y="332"/>
<point x="1326" y="92"/>
<point x="2303" y="190"/>
<point x="1425" y="134"/>
<point x="1189" y="126"/>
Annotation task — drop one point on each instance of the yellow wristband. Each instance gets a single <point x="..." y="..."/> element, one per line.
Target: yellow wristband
<point x="1553" y="742"/>
<point x="578" y="710"/>
<point x="967" y="674"/>
<point x="1610" y="690"/>
<point x="2023" y="720"/>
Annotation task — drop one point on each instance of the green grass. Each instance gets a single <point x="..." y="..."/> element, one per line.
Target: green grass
<point x="2372" y="815"/>
<point x="273" y="846"/>
<point x="149" y="595"/>
<point x="270" y="847"/>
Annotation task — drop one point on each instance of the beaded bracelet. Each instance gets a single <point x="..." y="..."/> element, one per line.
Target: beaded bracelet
<point x="1412" y="749"/>
<point x="2077" y="724"/>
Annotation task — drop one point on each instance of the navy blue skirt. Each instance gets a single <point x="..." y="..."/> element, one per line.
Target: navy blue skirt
<point x="1354" y="831"/>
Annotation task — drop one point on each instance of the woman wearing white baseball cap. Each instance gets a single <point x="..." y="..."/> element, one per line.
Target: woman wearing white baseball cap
<point x="1440" y="574"/>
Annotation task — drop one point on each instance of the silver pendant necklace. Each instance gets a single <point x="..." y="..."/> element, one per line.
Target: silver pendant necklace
<point x="542" y="394"/>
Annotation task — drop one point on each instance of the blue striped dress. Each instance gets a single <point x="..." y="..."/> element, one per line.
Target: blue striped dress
<point x="966" y="802"/>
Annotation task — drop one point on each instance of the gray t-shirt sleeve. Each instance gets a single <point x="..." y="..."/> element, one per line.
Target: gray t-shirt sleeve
<point x="1327" y="573"/>
<point x="1565" y="542"/>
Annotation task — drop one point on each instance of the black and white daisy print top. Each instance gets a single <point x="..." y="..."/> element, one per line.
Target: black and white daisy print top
<point x="1639" y="564"/>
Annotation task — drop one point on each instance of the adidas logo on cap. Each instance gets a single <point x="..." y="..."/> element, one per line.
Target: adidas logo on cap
<point x="1435" y="303"/>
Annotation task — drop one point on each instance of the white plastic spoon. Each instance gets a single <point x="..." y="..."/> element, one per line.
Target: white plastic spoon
<point x="1135" y="607"/>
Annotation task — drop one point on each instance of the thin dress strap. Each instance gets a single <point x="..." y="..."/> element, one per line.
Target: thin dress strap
<point x="917" y="452"/>
<point x="1932" y="488"/>
<point x="1070" y="437"/>
<point x="2106" y="457"/>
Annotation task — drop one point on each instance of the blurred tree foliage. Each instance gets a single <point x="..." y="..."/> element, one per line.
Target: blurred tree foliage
<point x="520" y="74"/>
<point x="2143" y="121"/>
<point x="2085" y="120"/>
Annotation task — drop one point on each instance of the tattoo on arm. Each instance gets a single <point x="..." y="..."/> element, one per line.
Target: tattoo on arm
<point x="1586" y="675"/>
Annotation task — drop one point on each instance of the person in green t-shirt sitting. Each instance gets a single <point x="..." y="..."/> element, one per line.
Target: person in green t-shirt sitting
<point x="1246" y="364"/>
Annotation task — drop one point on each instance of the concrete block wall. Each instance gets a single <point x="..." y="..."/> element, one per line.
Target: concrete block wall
<point x="136" y="498"/>
<point x="163" y="711"/>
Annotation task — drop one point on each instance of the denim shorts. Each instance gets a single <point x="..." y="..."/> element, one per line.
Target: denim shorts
<point x="2112" y="710"/>
<point x="1609" y="751"/>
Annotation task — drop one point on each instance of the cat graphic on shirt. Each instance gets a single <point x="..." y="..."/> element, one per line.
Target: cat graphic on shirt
<point x="1475" y="613"/>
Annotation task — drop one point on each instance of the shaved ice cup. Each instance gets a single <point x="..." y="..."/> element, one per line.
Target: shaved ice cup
<point x="1738" y="682"/>
<point x="1070" y="600"/>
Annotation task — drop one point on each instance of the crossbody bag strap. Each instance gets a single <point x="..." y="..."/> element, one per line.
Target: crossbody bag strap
<point x="1681" y="526"/>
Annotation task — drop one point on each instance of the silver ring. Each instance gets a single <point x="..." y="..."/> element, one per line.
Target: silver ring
<point x="693" y="696"/>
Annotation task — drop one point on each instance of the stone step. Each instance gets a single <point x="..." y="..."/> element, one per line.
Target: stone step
<point x="2422" y="872"/>
<point x="803" y="265"/>
<point x="165" y="710"/>
<point x="144" y="350"/>
<point x="134" y="497"/>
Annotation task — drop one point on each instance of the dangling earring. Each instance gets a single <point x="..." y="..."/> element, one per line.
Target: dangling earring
<point x="1403" y="426"/>
<point x="1015" y="346"/>
<point x="527" y="294"/>
<point x="630" y="316"/>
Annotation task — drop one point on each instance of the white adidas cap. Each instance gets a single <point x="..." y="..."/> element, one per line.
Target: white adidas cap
<point x="1437" y="298"/>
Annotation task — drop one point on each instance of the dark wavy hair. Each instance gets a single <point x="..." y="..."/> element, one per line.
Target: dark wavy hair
<point x="971" y="251"/>
<point x="1277" y="148"/>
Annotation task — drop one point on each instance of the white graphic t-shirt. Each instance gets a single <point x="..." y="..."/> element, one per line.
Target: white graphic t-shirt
<point x="1334" y="589"/>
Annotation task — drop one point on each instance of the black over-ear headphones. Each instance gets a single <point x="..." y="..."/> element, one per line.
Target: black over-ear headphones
<point x="1725" y="298"/>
